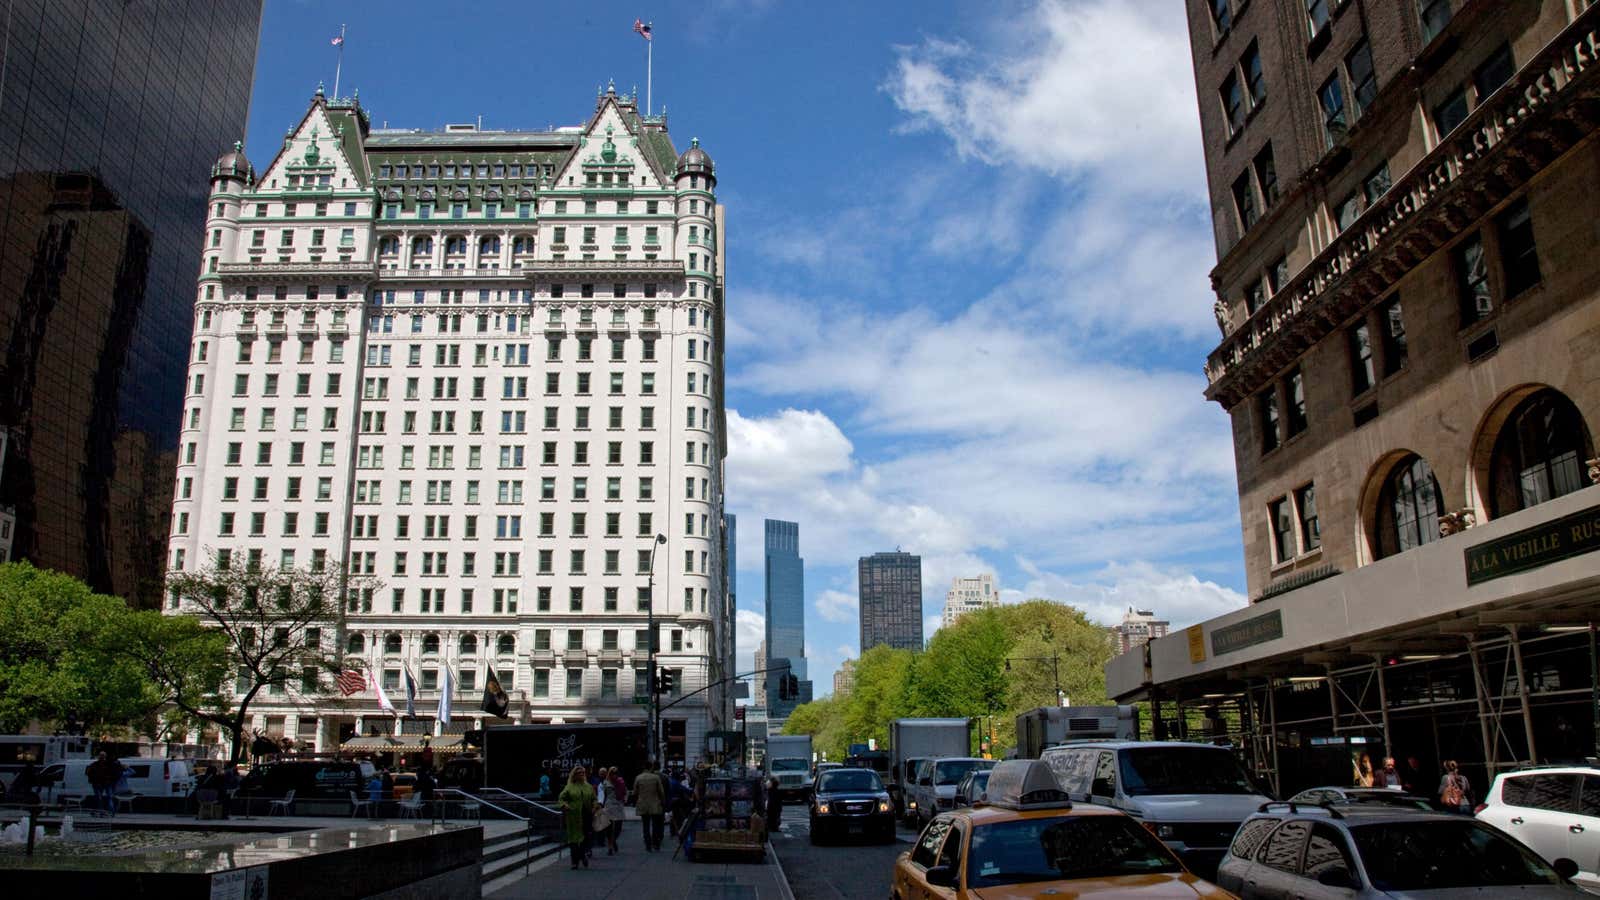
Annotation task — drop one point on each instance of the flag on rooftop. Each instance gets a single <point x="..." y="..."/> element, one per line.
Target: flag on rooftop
<point x="643" y="28"/>
<point x="338" y="41"/>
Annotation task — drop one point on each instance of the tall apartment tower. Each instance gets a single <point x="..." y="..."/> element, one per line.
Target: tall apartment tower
<point x="1137" y="628"/>
<point x="485" y="368"/>
<point x="891" y="600"/>
<point x="968" y="594"/>
<point x="1403" y="194"/>
<point x="110" y="118"/>
<point x="786" y="617"/>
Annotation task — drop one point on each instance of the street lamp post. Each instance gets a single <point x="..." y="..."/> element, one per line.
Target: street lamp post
<point x="1055" y="669"/>
<point x="654" y="724"/>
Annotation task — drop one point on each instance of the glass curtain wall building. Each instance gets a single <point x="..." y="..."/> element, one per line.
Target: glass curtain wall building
<point x="111" y="114"/>
<point x="786" y="616"/>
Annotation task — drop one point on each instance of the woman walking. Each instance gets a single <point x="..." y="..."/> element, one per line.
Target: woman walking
<point x="615" y="796"/>
<point x="577" y="800"/>
<point x="1455" y="791"/>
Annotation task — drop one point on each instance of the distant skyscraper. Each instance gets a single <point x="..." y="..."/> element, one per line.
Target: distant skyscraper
<point x="1138" y="627"/>
<point x="786" y="613"/>
<point x="891" y="600"/>
<point x="845" y="678"/>
<point x="758" y="697"/>
<point x="968" y="594"/>
<point x="111" y="115"/>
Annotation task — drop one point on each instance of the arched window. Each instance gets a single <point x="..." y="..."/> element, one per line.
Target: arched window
<point x="489" y="246"/>
<point x="507" y="645"/>
<point x="1408" y="507"/>
<point x="430" y="644"/>
<point x="356" y="644"/>
<point x="455" y="245"/>
<point x="391" y="643"/>
<point x="389" y="246"/>
<point x="422" y="246"/>
<point x="1539" y="454"/>
<point x="469" y="644"/>
<point x="521" y="244"/>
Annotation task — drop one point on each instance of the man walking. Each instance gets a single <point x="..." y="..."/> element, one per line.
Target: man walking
<point x="650" y="798"/>
<point x="103" y="774"/>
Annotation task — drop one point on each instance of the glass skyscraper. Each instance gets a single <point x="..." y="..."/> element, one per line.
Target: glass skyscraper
<point x="111" y="115"/>
<point x="786" y="615"/>
<point x="891" y="600"/>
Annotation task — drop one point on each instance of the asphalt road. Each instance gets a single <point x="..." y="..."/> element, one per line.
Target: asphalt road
<point x="857" y="870"/>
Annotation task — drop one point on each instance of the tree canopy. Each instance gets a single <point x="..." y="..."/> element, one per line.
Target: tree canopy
<point x="994" y="662"/>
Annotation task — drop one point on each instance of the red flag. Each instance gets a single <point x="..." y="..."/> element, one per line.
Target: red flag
<point x="352" y="682"/>
<point x="642" y="28"/>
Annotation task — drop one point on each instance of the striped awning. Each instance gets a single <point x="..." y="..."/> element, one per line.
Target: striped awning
<point x="410" y="743"/>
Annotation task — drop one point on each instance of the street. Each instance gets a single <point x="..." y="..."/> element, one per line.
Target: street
<point x="842" y="871"/>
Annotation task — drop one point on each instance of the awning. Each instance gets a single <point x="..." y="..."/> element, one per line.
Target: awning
<point x="410" y="743"/>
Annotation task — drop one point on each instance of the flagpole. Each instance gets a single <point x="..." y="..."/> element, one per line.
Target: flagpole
<point x="338" y="66"/>
<point x="649" y="67"/>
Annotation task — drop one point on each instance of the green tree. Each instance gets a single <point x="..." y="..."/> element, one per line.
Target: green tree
<point x="56" y="654"/>
<point x="880" y="695"/>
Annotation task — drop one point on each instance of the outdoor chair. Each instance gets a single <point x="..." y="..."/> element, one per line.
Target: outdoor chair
<point x="357" y="805"/>
<point x="124" y="802"/>
<point x="286" y="805"/>
<point x="411" y="807"/>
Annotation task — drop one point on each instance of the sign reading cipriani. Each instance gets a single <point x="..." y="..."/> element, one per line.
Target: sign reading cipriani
<point x="1533" y="547"/>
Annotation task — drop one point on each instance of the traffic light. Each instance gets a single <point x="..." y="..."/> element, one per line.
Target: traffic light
<point x="783" y="688"/>
<point x="664" y="682"/>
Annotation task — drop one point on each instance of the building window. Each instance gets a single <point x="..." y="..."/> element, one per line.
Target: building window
<point x="1409" y="507"/>
<point x="1495" y="71"/>
<point x="1232" y="94"/>
<point x="1347" y="212"/>
<point x="1267" y="416"/>
<point x="1331" y="97"/>
<point x="1518" y="253"/>
<point x="574" y="684"/>
<point x="1267" y="176"/>
<point x="1317" y="15"/>
<point x="1305" y="501"/>
<point x="1295" y="389"/>
<point x="1244" y="200"/>
<point x="1435" y="15"/>
<point x="1376" y="184"/>
<point x="1250" y="63"/>
<point x="1363" y="372"/>
<point x="1450" y="112"/>
<point x="1221" y="16"/>
<point x="1394" y="336"/>
<point x="1473" y="271"/>
<point x="1539" y="454"/>
<point x="1282" y="517"/>
<point x="1363" y="80"/>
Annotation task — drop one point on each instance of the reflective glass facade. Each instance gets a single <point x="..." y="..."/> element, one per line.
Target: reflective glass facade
<point x="891" y="600"/>
<point x="111" y="116"/>
<point x="786" y="613"/>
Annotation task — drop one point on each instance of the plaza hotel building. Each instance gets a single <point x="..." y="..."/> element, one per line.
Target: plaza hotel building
<point x="484" y="370"/>
<point x="1408" y="293"/>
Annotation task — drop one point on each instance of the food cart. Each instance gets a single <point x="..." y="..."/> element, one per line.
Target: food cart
<point x="729" y="816"/>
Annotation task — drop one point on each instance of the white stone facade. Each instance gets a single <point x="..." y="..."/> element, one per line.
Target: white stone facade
<point x="402" y="359"/>
<point x="968" y="594"/>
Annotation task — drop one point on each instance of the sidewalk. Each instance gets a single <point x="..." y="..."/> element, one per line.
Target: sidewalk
<point x="634" y="874"/>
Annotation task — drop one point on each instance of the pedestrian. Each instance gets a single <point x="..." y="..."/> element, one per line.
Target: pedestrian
<point x="680" y="800"/>
<point x="1390" y="776"/>
<point x="230" y="779"/>
<point x="577" y="801"/>
<point x="103" y="775"/>
<point x="374" y="793"/>
<point x="425" y="758"/>
<point x="1412" y="775"/>
<point x="425" y="787"/>
<point x="388" y="784"/>
<point x="649" y="801"/>
<point x="25" y="788"/>
<point x="616" y="793"/>
<point x="774" y="806"/>
<point x="1455" y="791"/>
<point x="1363" y="770"/>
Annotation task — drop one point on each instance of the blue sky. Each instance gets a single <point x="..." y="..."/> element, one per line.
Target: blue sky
<point x="967" y="245"/>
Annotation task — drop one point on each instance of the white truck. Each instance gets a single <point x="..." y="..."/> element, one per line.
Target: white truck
<point x="789" y="761"/>
<point x="913" y="740"/>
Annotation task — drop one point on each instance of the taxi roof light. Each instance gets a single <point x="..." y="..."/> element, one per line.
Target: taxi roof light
<point x="1021" y="784"/>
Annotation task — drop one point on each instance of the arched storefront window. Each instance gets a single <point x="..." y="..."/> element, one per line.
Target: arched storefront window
<point x="356" y="644"/>
<point x="1539" y="454"/>
<point x="469" y="645"/>
<point x="1408" y="508"/>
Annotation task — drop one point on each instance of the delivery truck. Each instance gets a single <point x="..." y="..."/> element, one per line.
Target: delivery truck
<point x="789" y="760"/>
<point x="515" y="756"/>
<point x="913" y="740"/>
<point x="1050" y="726"/>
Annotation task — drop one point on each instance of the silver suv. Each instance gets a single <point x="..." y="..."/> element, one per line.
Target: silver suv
<point x="1317" y="852"/>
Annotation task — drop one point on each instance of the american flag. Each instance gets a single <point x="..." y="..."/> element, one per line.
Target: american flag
<point x="643" y="29"/>
<point x="339" y="41"/>
<point x="352" y="682"/>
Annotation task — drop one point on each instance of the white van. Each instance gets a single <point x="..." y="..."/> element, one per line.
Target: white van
<point x="1191" y="796"/>
<point x="145" y="777"/>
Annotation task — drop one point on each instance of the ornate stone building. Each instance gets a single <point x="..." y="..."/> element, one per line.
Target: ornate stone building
<point x="485" y="369"/>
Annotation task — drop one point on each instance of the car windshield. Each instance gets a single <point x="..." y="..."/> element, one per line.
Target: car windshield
<point x="849" y="781"/>
<point x="951" y="771"/>
<point x="1433" y="854"/>
<point x="1028" y="850"/>
<point x="788" y="765"/>
<point x="1182" y="770"/>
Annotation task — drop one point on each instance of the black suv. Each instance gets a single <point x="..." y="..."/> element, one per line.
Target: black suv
<point x="850" y="801"/>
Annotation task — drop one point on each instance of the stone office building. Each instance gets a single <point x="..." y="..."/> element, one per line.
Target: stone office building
<point x="1403" y="196"/>
<point x="484" y="368"/>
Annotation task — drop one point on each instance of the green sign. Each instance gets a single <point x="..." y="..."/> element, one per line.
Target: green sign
<point x="1239" y="635"/>
<point x="642" y="701"/>
<point x="1531" y="548"/>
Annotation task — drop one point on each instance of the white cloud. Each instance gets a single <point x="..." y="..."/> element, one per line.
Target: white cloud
<point x="1177" y="596"/>
<point x="837" y="606"/>
<point x="750" y="629"/>
<point x="1057" y="94"/>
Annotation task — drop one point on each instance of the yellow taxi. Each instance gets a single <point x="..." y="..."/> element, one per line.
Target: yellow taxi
<point x="1029" y="841"/>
